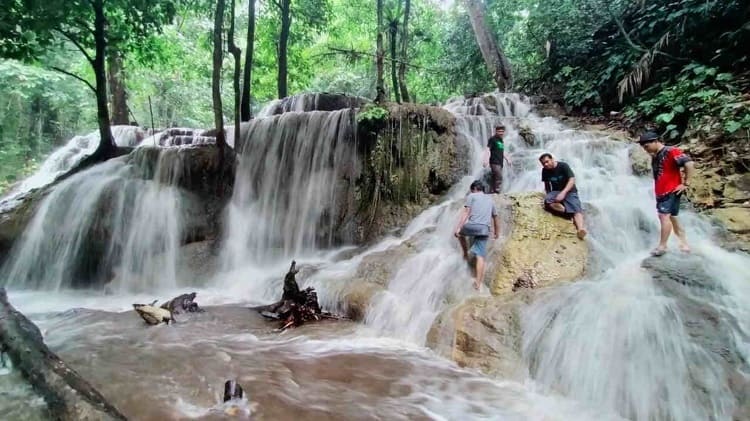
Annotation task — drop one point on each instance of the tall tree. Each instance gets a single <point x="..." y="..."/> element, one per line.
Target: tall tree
<point x="494" y="58"/>
<point x="380" y="82"/>
<point x="216" y="75"/>
<point x="237" y="54"/>
<point x="118" y="96"/>
<point x="404" y="52"/>
<point x="117" y="25"/>
<point x="286" y="23"/>
<point x="246" y="112"/>
<point x="394" y="15"/>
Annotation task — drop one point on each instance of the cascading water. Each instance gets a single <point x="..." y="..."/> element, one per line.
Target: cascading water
<point x="619" y="342"/>
<point x="63" y="159"/>
<point x="437" y="275"/>
<point x="117" y="217"/>
<point x="288" y="184"/>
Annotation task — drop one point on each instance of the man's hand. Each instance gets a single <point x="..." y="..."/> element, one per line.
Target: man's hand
<point x="457" y="233"/>
<point x="485" y="164"/>
<point x="681" y="188"/>
<point x="560" y="197"/>
<point x="495" y="235"/>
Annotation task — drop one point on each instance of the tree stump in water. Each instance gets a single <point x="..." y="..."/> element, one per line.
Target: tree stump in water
<point x="296" y="306"/>
<point x="67" y="394"/>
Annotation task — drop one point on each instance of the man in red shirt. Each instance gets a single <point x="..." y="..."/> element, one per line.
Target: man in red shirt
<point x="670" y="182"/>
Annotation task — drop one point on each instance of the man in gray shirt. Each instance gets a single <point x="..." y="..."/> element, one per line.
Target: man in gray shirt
<point x="474" y="226"/>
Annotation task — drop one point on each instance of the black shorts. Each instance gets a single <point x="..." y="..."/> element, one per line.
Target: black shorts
<point x="669" y="204"/>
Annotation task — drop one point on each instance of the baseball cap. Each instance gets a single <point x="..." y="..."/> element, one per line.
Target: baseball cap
<point x="648" y="137"/>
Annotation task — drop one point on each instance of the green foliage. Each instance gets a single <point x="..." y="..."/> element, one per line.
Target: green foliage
<point x="372" y="114"/>
<point x="701" y="98"/>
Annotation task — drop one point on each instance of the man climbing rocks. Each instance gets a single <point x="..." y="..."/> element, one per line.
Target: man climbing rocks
<point x="670" y="182"/>
<point x="496" y="153"/>
<point x="474" y="227"/>
<point x="562" y="194"/>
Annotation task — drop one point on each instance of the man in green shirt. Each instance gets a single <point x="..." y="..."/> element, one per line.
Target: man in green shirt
<point x="496" y="153"/>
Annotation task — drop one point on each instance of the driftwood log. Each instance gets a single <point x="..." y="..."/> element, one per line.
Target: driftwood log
<point x="296" y="306"/>
<point x="67" y="394"/>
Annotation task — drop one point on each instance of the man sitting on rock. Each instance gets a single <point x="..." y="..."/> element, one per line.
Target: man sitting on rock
<point x="474" y="227"/>
<point x="562" y="194"/>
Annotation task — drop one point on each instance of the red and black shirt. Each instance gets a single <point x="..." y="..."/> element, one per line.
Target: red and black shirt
<point x="666" y="166"/>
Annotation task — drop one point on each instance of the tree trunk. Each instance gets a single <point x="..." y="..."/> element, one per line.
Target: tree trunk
<point x="117" y="93"/>
<point x="497" y="64"/>
<point x="380" y="82"/>
<point x="286" y="22"/>
<point x="216" y="76"/>
<point x="392" y="34"/>
<point x="246" y="111"/>
<point x="67" y="394"/>
<point x="107" y="147"/>
<point x="404" y="53"/>
<point x="237" y="54"/>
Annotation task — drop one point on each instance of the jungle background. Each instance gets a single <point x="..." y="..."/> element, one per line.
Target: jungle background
<point x="680" y="66"/>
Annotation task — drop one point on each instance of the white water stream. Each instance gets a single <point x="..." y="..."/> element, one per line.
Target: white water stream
<point x="614" y="344"/>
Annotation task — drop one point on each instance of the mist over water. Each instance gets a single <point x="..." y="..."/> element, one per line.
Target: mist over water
<point x="618" y="343"/>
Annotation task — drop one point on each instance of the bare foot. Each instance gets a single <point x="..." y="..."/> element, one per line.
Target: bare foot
<point x="684" y="248"/>
<point x="581" y="234"/>
<point x="476" y="286"/>
<point x="659" y="251"/>
<point x="557" y="206"/>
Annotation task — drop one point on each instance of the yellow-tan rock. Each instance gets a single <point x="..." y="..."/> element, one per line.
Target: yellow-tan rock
<point x="736" y="220"/>
<point x="538" y="244"/>
<point x="483" y="333"/>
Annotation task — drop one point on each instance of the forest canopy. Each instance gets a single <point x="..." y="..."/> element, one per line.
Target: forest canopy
<point x="679" y="65"/>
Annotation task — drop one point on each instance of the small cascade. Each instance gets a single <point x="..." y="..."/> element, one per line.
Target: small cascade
<point x="177" y="136"/>
<point x="116" y="222"/>
<point x="66" y="157"/>
<point x="437" y="275"/>
<point x="312" y="102"/>
<point x="294" y="169"/>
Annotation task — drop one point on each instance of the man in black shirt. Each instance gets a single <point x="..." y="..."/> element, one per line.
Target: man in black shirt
<point x="496" y="153"/>
<point x="562" y="194"/>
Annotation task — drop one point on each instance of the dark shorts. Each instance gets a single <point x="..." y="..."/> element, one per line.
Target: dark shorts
<point x="478" y="245"/>
<point x="571" y="202"/>
<point x="669" y="204"/>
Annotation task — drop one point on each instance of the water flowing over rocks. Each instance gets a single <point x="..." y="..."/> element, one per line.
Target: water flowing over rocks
<point x="483" y="333"/>
<point x="68" y="396"/>
<point x="539" y="246"/>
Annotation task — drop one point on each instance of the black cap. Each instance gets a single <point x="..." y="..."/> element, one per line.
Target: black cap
<point x="648" y="137"/>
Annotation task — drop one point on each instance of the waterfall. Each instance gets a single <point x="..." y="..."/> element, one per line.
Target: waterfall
<point x="115" y="221"/>
<point x="437" y="275"/>
<point x="66" y="157"/>
<point x="294" y="169"/>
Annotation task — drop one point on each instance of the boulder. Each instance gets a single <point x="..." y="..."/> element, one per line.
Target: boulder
<point x="736" y="220"/>
<point x="706" y="187"/>
<point x="737" y="188"/>
<point x="539" y="246"/>
<point x="372" y="276"/>
<point x="483" y="333"/>
<point x="640" y="160"/>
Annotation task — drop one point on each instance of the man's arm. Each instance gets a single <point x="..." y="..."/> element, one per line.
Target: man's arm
<point x="568" y="186"/>
<point x="486" y="157"/>
<point x="688" y="171"/>
<point x="461" y="220"/>
<point x="496" y="225"/>
<point x="505" y="156"/>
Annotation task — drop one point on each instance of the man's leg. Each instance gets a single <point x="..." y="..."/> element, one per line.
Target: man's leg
<point x="680" y="233"/>
<point x="666" y="229"/>
<point x="550" y="204"/>
<point x="480" y="273"/>
<point x="464" y="246"/>
<point x="578" y="222"/>
<point x="497" y="177"/>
